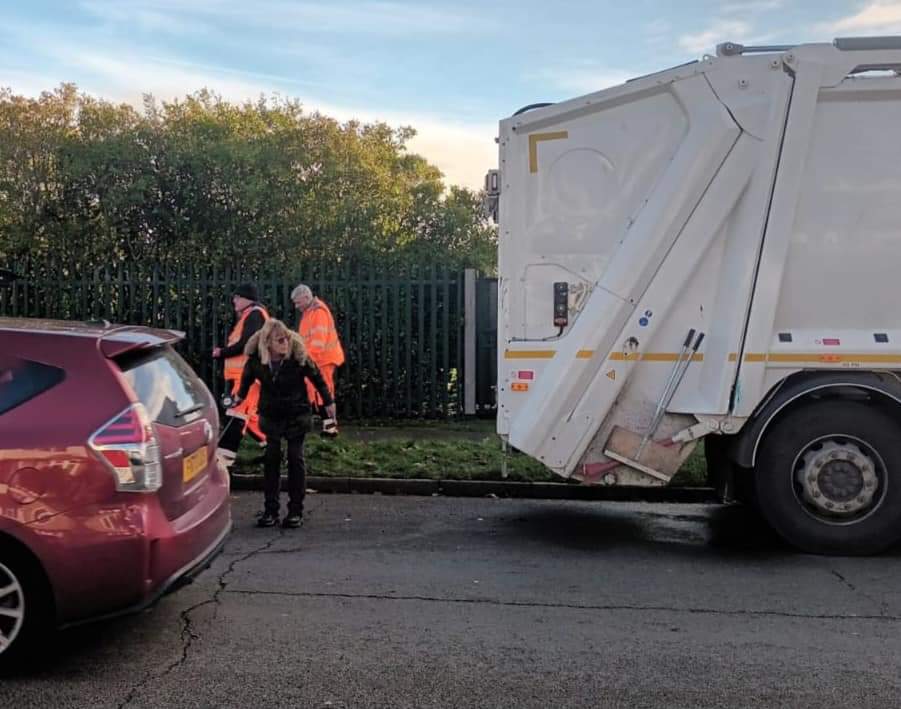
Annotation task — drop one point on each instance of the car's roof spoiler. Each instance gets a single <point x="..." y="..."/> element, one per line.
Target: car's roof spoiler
<point x="126" y="338"/>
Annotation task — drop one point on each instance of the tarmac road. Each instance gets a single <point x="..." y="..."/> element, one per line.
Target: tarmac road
<point x="443" y="602"/>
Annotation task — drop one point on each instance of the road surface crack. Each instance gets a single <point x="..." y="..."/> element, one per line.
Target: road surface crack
<point x="883" y="606"/>
<point x="188" y="636"/>
<point x="574" y="606"/>
<point x="843" y="580"/>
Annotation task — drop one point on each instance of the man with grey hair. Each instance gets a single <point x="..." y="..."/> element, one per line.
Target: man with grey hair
<point x="320" y="336"/>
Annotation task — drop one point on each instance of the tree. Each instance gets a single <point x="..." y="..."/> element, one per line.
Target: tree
<point x="202" y="180"/>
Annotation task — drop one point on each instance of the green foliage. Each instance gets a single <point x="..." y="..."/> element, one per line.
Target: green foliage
<point x="414" y="456"/>
<point x="265" y="184"/>
<point x="468" y="450"/>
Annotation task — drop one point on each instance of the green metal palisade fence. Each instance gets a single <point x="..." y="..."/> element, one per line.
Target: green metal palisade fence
<point x="401" y="331"/>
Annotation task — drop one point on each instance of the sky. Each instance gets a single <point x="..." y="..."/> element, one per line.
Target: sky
<point x="449" y="68"/>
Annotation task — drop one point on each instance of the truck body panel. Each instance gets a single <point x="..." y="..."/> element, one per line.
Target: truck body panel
<point x="751" y="198"/>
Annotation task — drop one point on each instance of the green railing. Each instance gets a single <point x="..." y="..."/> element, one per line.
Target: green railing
<point x="401" y="331"/>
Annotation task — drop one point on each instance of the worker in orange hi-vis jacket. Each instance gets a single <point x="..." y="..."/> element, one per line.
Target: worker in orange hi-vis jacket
<point x="317" y="329"/>
<point x="251" y="316"/>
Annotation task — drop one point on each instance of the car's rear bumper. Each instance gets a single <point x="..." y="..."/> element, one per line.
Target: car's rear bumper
<point x="121" y="556"/>
<point x="182" y="576"/>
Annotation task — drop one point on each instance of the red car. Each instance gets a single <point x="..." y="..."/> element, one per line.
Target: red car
<point x="110" y="489"/>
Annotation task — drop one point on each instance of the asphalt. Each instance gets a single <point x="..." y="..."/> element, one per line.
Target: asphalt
<point x="447" y="602"/>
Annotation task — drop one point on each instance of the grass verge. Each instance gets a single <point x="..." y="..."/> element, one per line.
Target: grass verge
<point x="431" y="453"/>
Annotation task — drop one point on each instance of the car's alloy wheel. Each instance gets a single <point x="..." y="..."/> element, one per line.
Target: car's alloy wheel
<point x="12" y="607"/>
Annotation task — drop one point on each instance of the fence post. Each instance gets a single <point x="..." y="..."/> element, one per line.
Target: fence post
<point x="469" y="342"/>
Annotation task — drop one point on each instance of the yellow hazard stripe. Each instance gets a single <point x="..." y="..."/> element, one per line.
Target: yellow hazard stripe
<point x="669" y="357"/>
<point x="652" y="357"/>
<point x="751" y="357"/>
<point x="824" y="358"/>
<point x="529" y="354"/>
<point x="615" y="356"/>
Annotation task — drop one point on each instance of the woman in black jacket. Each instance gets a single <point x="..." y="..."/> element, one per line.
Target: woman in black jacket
<point x="278" y="360"/>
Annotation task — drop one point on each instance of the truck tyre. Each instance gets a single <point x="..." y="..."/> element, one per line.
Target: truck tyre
<point x="24" y="607"/>
<point x="828" y="478"/>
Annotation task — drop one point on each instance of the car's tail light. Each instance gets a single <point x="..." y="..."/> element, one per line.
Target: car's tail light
<point x="129" y="448"/>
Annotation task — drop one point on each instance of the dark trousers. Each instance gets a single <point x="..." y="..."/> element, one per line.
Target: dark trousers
<point x="292" y="431"/>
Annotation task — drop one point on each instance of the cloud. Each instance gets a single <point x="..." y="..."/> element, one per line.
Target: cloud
<point x="105" y="61"/>
<point x="142" y="17"/>
<point x="658" y="26"/>
<point x="368" y="17"/>
<point x="125" y="77"/>
<point x="720" y="31"/>
<point x="751" y="7"/>
<point x="464" y="152"/>
<point x="27" y="83"/>
<point x="582" y="79"/>
<point x="880" y="17"/>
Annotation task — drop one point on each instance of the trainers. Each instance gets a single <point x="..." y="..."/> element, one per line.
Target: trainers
<point x="267" y="519"/>
<point x="292" y="521"/>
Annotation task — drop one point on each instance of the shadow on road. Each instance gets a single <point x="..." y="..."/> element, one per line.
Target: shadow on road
<point x="65" y="651"/>
<point x="731" y="531"/>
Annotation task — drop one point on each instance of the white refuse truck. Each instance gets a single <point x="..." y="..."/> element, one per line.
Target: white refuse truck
<point x="713" y="253"/>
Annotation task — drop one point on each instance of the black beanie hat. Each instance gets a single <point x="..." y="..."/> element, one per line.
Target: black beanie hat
<point x="249" y="291"/>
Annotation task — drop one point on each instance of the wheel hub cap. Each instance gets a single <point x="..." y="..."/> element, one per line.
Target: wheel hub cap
<point x="838" y="479"/>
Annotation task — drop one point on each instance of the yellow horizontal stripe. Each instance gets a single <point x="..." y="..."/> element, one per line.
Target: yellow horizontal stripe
<point x="529" y="354"/>
<point x="623" y="357"/>
<point x="751" y="357"/>
<point x="652" y="357"/>
<point x="835" y="357"/>
<point x="669" y="357"/>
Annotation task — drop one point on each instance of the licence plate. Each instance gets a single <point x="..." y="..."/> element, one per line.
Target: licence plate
<point x="194" y="464"/>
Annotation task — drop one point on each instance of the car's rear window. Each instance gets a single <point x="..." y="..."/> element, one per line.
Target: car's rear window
<point x="166" y="385"/>
<point x="21" y="380"/>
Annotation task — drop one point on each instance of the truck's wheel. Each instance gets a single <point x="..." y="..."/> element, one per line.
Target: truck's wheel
<point x="828" y="478"/>
<point x="24" y="607"/>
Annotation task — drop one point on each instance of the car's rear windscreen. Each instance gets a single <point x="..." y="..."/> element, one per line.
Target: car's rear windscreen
<point x="165" y="384"/>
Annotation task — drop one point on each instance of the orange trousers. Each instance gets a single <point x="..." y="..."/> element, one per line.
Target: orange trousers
<point x="248" y="408"/>
<point x="328" y="373"/>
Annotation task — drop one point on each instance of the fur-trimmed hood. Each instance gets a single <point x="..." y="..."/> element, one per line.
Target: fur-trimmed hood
<point x="256" y="345"/>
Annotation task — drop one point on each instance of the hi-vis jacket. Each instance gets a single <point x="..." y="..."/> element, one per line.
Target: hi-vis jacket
<point x="235" y="359"/>
<point x="317" y="328"/>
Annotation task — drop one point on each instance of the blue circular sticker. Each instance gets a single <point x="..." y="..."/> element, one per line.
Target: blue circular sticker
<point x="643" y="322"/>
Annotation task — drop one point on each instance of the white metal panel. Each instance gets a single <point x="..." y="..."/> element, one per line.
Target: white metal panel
<point x="572" y="212"/>
<point x="552" y="227"/>
<point x="682" y="297"/>
<point x="792" y="164"/>
<point x="844" y="252"/>
<point x="711" y="135"/>
<point x="833" y="217"/>
<point x="547" y="425"/>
